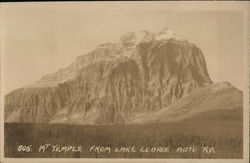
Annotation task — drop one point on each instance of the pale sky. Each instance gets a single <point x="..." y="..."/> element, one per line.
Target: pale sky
<point x="38" y="41"/>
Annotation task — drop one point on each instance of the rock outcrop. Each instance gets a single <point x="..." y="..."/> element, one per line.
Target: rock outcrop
<point x="141" y="73"/>
<point x="211" y="98"/>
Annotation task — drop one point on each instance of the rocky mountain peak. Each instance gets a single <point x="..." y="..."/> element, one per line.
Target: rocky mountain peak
<point x="107" y="51"/>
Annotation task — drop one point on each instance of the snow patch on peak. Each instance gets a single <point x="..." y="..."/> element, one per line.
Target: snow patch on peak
<point x="165" y="34"/>
<point x="133" y="38"/>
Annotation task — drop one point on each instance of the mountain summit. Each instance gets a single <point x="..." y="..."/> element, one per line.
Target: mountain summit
<point x="142" y="73"/>
<point x="125" y="46"/>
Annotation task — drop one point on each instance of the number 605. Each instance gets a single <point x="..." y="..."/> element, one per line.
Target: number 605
<point x="24" y="148"/>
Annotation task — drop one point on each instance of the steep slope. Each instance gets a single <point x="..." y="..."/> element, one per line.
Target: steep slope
<point x="143" y="72"/>
<point x="104" y="52"/>
<point x="214" y="102"/>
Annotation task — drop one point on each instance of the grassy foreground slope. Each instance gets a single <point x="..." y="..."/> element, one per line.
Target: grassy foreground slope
<point x="214" y="129"/>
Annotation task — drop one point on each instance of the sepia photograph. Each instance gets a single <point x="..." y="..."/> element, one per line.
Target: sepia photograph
<point x="124" y="81"/>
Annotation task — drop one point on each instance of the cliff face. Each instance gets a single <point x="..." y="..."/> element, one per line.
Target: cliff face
<point x="113" y="83"/>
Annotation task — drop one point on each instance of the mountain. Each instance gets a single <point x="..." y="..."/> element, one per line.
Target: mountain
<point x="143" y="73"/>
